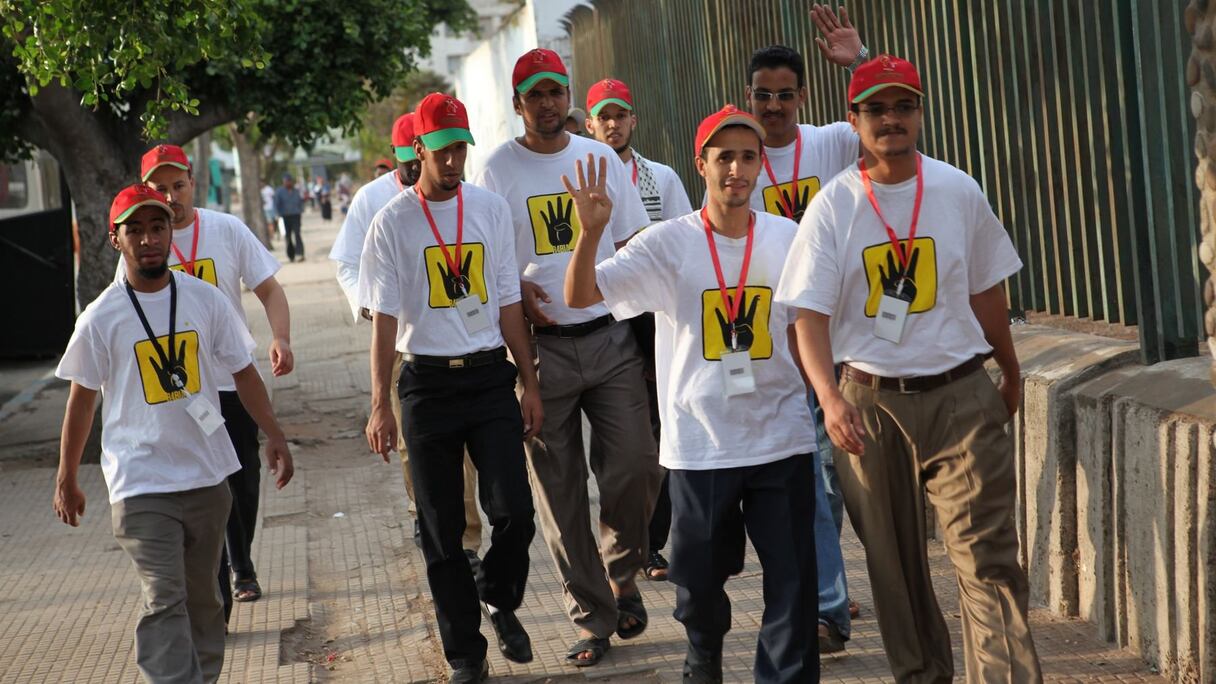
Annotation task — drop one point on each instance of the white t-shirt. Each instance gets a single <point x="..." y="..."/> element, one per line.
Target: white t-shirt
<point x="667" y="269"/>
<point x="228" y="255"/>
<point x="826" y="151"/>
<point x="403" y="271"/>
<point x="663" y="195"/>
<point x="149" y="444"/>
<point x="842" y="256"/>
<point x="348" y="246"/>
<point x="267" y="198"/>
<point x="546" y="225"/>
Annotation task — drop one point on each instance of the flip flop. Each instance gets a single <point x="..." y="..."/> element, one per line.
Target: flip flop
<point x="631" y="607"/>
<point x="593" y="645"/>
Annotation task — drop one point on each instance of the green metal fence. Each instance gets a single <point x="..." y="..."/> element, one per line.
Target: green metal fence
<point x="1070" y="113"/>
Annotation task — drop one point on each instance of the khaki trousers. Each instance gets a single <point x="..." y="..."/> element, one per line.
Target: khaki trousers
<point x="599" y="374"/>
<point x="472" y="519"/>
<point x="174" y="541"/>
<point x="951" y="443"/>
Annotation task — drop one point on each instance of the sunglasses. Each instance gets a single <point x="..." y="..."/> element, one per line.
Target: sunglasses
<point x="766" y="95"/>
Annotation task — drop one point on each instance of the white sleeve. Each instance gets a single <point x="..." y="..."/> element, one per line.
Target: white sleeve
<point x="378" y="289"/>
<point x="257" y="263"/>
<point x="675" y="198"/>
<point x="120" y="269"/>
<point x="991" y="257"/>
<point x="845" y="143"/>
<point x="636" y="279"/>
<point x="232" y="345"/>
<point x="506" y="269"/>
<point x="811" y="278"/>
<point x="628" y="213"/>
<point x="348" y="279"/>
<point x="349" y="243"/>
<point x="86" y="361"/>
<point x="485" y="179"/>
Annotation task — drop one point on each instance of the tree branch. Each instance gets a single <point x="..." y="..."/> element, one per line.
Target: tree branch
<point x="184" y="127"/>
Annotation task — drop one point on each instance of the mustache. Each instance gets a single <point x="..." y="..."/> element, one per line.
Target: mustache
<point x="892" y="129"/>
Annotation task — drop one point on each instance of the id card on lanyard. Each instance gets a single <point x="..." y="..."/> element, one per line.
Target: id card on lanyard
<point x="892" y="315"/>
<point x="738" y="376"/>
<point x="470" y="309"/>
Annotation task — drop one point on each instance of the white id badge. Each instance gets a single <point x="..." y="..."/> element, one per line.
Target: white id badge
<point x="892" y="315"/>
<point x="204" y="413"/>
<point x="472" y="314"/>
<point x="737" y="373"/>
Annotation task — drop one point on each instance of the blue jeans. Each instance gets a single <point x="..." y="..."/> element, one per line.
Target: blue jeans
<point x="833" y="585"/>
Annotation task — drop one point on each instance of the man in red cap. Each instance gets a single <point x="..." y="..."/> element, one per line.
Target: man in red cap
<point x="383" y="166"/>
<point x="612" y="121"/>
<point x="438" y="274"/>
<point x="898" y="274"/>
<point x="160" y="345"/>
<point x="589" y="363"/>
<point x="727" y="364"/>
<point x="348" y="249"/>
<point x="220" y="249"/>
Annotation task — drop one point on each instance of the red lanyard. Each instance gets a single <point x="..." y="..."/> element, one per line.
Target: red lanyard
<point x="900" y="253"/>
<point x="188" y="265"/>
<point x="731" y="304"/>
<point x="785" y="201"/>
<point x="635" y="172"/>
<point x="453" y="264"/>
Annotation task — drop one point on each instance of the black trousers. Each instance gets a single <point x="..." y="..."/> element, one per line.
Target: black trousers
<point x="775" y="504"/>
<point x="246" y="489"/>
<point x="443" y="412"/>
<point x="295" y="243"/>
<point x="660" y="519"/>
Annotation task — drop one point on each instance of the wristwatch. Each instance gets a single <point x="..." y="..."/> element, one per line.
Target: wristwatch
<point x="862" y="56"/>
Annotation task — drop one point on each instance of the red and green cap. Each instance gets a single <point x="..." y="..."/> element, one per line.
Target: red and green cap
<point x="162" y="155"/>
<point x="441" y="120"/>
<point x="606" y="92"/>
<point x="385" y="162"/>
<point x="535" y="66"/>
<point x="403" y="138"/>
<point x="133" y="197"/>
<point x="729" y="115"/>
<point x="884" y="71"/>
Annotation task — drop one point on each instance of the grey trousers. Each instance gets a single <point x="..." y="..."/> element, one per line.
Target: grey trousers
<point x="599" y="374"/>
<point x="174" y="540"/>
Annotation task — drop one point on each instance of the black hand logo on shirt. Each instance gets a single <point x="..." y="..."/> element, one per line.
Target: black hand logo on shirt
<point x="798" y="203"/>
<point x="890" y="276"/>
<point x="170" y="376"/>
<point x="456" y="286"/>
<point x="743" y="325"/>
<point x="558" y="222"/>
<point x="200" y="272"/>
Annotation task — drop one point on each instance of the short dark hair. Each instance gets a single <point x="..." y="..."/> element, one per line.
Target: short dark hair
<point x="775" y="56"/>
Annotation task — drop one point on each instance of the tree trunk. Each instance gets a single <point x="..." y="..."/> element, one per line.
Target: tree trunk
<point x="202" y="169"/>
<point x="1201" y="77"/>
<point x="249" y="165"/>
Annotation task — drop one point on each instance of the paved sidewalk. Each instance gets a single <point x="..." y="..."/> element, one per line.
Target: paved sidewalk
<point x="346" y="596"/>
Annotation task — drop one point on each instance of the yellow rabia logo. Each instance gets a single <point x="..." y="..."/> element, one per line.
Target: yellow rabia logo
<point x="158" y="383"/>
<point x="751" y="326"/>
<point x="447" y="287"/>
<point x="775" y="197"/>
<point x="204" y="269"/>
<point x="555" y="225"/>
<point x="883" y="270"/>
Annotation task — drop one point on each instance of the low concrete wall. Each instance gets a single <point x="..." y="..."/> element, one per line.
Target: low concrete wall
<point x="1117" y="494"/>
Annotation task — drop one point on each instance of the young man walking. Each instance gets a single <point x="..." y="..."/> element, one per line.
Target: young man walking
<point x="588" y="363"/>
<point x="159" y="345"/>
<point x="737" y="432"/>
<point x="612" y="121"/>
<point x="289" y="205"/>
<point x="898" y="275"/>
<point x="221" y="250"/>
<point x="438" y="274"/>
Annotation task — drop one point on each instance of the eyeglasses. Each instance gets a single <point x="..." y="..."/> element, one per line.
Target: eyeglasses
<point x="878" y="110"/>
<point x="766" y="95"/>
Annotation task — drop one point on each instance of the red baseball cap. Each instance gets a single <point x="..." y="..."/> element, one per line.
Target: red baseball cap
<point x="606" y="92"/>
<point x="385" y="162"/>
<point x="535" y="66"/>
<point x="162" y="155"/>
<point x="729" y="115"/>
<point x="441" y="120"/>
<point x="884" y="71"/>
<point x="133" y="197"/>
<point x="403" y="138"/>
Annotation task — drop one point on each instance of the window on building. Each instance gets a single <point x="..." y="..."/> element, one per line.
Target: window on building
<point x="14" y="186"/>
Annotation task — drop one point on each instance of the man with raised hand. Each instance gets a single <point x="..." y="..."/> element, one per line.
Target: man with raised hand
<point x="737" y="431"/>
<point x="897" y="274"/>
<point x="438" y="274"/>
<point x="588" y="362"/>
<point x="159" y="346"/>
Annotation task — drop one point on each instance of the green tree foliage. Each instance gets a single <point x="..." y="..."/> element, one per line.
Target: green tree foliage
<point x="374" y="139"/>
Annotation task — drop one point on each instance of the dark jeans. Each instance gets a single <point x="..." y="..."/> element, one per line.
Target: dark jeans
<point x="295" y="243"/>
<point x="443" y="412"/>
<point x="774" y="502"/>
<point x="245" y="485"/>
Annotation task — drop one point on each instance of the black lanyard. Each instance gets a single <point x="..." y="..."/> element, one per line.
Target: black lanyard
<point x="168" y="362"/>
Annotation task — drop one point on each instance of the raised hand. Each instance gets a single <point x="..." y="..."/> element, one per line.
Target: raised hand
<point x="839" y="42"/>
<point x="590" y="198"/>
<point x="558" y="224"/>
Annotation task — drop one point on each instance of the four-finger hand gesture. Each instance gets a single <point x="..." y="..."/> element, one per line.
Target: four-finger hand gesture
<point x="591" y="201"/>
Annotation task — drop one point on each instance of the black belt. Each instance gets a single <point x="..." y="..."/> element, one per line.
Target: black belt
<point x="481" y="358"/>
<point x="918" y="383"/>
<point x="576" y="330"/>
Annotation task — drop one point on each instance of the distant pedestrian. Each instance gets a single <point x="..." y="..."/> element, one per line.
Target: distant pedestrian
<point x="323" y="199"/>
<point x="289" y="205"/>
<point x="272" y="219"/>
<point x="158" y="345"/>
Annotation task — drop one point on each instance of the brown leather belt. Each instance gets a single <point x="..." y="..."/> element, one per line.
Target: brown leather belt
<point x="918" y="383"/>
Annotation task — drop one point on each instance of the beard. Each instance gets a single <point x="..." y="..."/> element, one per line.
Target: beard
<point x="449" y="187"/>
<point x="153" y="272"/>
